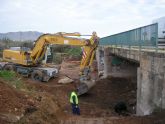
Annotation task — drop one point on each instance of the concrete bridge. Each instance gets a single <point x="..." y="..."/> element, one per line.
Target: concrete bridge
<point x="137" y="55"/>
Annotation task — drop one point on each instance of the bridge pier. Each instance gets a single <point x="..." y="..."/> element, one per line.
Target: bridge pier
<point x="104" y="62"/>
<point x="150" y="84"/>
<point x="99" y="58"/>
<point x="107" y="62"/>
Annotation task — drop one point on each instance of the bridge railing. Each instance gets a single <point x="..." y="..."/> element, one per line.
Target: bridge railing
<point x="142" y="38"/>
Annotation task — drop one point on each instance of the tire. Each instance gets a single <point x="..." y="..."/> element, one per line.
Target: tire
<point x="1" y="67"/>
<point x="8" y="68"/>
<point x="37" y="75"/>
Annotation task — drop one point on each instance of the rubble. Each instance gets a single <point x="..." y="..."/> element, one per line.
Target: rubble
<point x="65" y="80"/>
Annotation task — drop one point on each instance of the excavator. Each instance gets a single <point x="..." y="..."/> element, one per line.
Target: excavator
<point x="28" y="62"/>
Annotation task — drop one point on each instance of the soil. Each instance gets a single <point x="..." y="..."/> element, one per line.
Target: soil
<point x="49" y="102"/>
<point x="12" y="98"/>
<point x="13" y="103"/>
<point x="106" y="94"/>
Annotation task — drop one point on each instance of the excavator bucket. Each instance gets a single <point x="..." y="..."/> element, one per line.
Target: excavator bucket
<point x="85" y="86"/>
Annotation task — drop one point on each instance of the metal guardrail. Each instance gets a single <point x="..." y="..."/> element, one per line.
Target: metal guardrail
<point x="143" y="37"/>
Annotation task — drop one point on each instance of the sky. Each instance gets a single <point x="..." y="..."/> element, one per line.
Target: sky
<point x="106" y="17"/>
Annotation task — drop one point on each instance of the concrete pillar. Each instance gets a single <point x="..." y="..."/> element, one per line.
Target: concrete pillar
<point x="163" y="91"/>
<point x="144" y="93"/>
<point x="150" y="84"/>
<point x="98" y="58"/>
<point x="107" y="62"/>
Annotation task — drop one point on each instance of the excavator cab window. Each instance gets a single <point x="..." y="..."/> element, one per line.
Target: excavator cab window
<point x="25" y="49"/>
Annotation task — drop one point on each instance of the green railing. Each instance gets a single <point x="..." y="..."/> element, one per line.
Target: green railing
<point x="143" y="37"/>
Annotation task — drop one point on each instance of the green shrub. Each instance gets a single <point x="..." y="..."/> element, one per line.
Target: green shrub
<point x="12" y="79"/>
<point x="7" y="75"/>
<point x="75" y="52"/>
<point x="57" y="58"/>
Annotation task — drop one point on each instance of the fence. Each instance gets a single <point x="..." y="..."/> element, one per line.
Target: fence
<point x="143" y="37"/>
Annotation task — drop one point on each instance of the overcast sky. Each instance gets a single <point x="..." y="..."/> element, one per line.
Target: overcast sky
<point x="106" y="17"/>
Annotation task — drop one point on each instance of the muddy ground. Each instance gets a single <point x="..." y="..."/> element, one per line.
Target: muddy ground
<point x="48" y="103"/>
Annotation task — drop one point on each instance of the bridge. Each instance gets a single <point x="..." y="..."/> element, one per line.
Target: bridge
<point x="140" y="54"/>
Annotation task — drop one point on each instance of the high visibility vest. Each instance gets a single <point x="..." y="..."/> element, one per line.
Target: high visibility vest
<point x="76" y="98"/>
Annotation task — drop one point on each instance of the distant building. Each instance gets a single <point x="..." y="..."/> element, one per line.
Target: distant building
<point x="161" y="26"/>
<point x="161" y="31"/>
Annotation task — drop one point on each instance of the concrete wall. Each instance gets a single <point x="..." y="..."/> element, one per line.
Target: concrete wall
<point x="150" y="76"/>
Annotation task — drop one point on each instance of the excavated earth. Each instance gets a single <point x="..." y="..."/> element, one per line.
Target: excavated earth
<point x="48" y="103"/>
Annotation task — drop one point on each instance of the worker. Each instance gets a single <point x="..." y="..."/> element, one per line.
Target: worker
<point x="74" y="103"/>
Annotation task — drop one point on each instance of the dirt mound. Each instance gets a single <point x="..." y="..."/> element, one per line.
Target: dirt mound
<point x="12" y="104"/>
<point x="11" y="100"/>
<point x="59" y="91"/>
<point x="48" y="111"/>
<point x="39" y="107"/>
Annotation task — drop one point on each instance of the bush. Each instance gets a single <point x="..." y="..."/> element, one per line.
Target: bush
<point x="12" y="79"/>
<point x="59" y="48"/>
<point x="7" y="75"/>
<point x="57" y="58"/>
<point x="75" y="52"/>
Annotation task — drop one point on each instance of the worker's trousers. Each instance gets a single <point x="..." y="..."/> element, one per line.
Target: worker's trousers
<point x="75" y="109"/>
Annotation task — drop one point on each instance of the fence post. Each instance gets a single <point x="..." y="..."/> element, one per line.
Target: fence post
<point x="156" y="37"/>
<point x="140" y="39"/>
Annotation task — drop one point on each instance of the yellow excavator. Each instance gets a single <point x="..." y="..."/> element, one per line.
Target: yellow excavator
<point x="28" y="62"/>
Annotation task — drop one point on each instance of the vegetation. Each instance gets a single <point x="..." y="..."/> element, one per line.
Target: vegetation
<point x="7" y="43"/>
<point x="11" y="78"/>
<point x="7" y="75"/>
<point x="62" y="51"/>
<point x="70" y="50"/>
<point x="75" y="52"/>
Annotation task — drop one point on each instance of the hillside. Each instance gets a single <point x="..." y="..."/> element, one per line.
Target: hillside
<point x="21" y="36"/>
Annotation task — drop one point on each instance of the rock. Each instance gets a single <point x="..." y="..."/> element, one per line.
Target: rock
<point x="26" y="96"/>
<point x="120" y="107"/>
<point x="65" y="80"/>
<point x="31" y="102"/>
<point x="30" y="109"/>
<point x="39" y="98"/>
<point x="10" y="117"/>
<point x="66" y="111"/>
<point x="15" y="109"/>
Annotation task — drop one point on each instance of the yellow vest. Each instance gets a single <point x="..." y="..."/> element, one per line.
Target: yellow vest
<point x="73" y="94"/>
